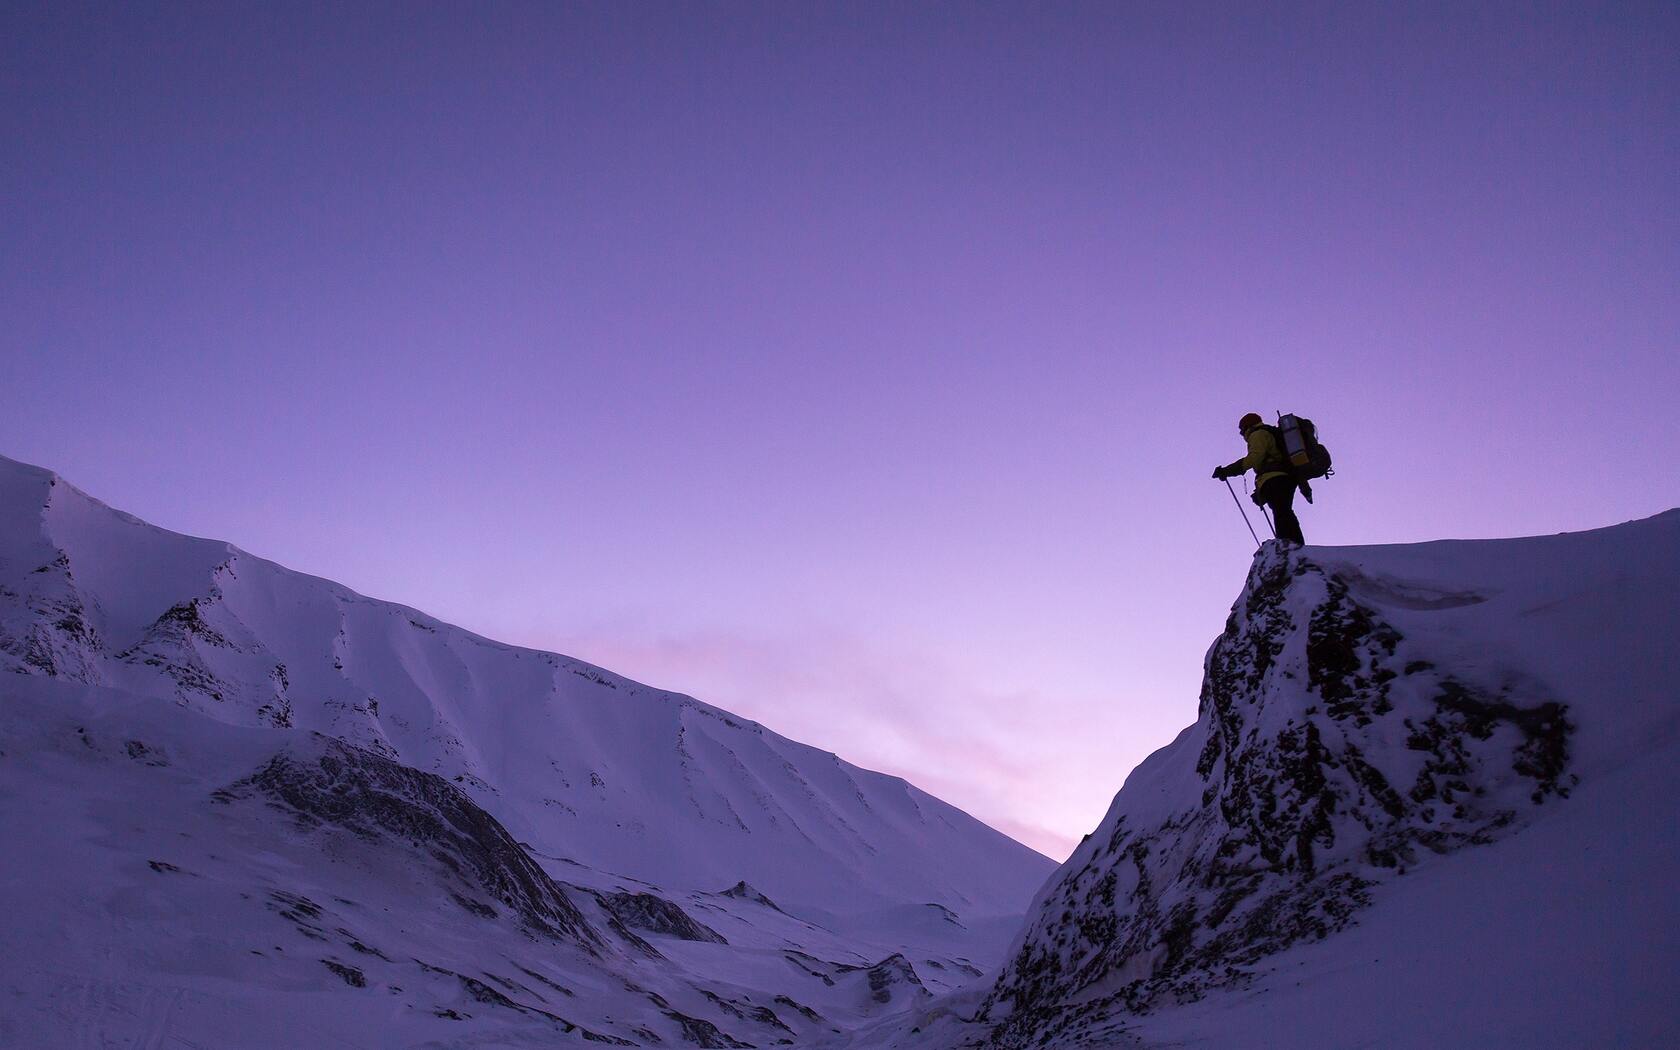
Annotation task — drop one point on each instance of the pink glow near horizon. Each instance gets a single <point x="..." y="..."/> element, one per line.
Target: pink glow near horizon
<point x="858" y="369"/>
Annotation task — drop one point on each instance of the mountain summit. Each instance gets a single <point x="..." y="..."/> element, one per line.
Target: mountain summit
<point x="1431" y="799"/>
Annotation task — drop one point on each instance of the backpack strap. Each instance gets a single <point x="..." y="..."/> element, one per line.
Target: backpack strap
<point x="1279" y="460"/>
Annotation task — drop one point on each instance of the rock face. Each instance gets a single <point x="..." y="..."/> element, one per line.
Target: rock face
<point x="744" y="892"/>
<point x="890" y="979"/>
<point x="645" y="911"/>
<point x="1327" y="757"/>
<point x="337" y="785"/>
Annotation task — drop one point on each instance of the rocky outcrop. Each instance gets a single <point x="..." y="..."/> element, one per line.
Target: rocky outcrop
<point x="644" y="911"/>
<point x="1326" y="758"/>
<point x="45" y="624"/>
<point x="196" y="650"/>
<point x="744" y="892"/>
<point x="334" y="784"/>
<point x="893" y="979"/>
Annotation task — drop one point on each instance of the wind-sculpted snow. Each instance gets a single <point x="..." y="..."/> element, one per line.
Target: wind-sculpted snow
<point x="1331" y="754"/>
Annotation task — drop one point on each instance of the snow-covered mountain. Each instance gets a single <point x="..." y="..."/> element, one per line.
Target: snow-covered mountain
<point x="170" y="875"/>
<point x="1432" y="799"/>
<point x="250" y="796"/>
<point x="581" y="763"/>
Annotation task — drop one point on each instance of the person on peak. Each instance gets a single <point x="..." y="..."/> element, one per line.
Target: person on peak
<point x="1274" y="485"/>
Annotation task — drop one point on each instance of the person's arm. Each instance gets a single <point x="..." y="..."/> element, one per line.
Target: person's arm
<point x="1256" y="455"/>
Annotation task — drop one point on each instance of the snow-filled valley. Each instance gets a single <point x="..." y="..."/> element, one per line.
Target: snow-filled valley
<point x="1430" y="800"/>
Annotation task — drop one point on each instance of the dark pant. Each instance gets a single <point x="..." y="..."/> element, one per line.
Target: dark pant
<point x="1278" y="496"/>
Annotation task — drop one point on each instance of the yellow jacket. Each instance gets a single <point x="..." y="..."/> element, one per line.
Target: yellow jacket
<point x="1264" y="457"/>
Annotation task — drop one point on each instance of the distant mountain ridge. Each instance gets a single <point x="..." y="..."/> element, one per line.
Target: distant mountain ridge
<point x="579" y="762"/>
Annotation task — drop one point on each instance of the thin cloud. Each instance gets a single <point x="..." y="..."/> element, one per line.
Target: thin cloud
<point x="1000" y="756"/>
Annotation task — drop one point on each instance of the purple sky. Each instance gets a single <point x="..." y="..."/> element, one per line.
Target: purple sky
<point x="857" y="368"/>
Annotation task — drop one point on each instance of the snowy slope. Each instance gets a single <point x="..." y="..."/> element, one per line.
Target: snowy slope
<point x="248" y="807"/>
<point x="1432" y="799"/>
<point x="174" y="880"/>
<point x="578" y="762"/>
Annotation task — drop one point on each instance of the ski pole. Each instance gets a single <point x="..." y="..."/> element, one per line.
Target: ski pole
<point x="1244" y="513"/>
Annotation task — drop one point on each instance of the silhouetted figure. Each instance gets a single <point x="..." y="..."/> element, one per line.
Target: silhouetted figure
<point x="1274" y="485"/>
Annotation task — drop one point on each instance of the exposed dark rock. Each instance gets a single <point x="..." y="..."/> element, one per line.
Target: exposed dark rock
<point x="890" y="975"/>
<point x="801" y="1009"/>
<point x="295" y="906"/>
<point x="342" y="786"/>
<point x="352" y="976"/>
<point x="637" y="944"/>
<point x="809" y="965"/>
<point x="141" y="753"/>
<point x="742" y="891"/>
<point x="704" y="1033"/>
<point x="358" y="946"/>
<point x="514" y="986"/>
<point x="489" y="996"/>
<point x="278" y="711"/>
<point x="562" y="989"/>
<point x="595" y="676"/>
<point x="302" y="912"/>
<point x="945" y="913"/>
<point x="486" y="994"/>
<point x="747" y="1011"/>
<point x="644" y="911"/>
<point x="55" y="632"/>
<point x="186" y="620"/>
<point x="1306" y="801"/>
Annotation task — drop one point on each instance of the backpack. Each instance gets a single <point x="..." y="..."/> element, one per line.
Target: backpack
<point x="1299" y="440"/>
